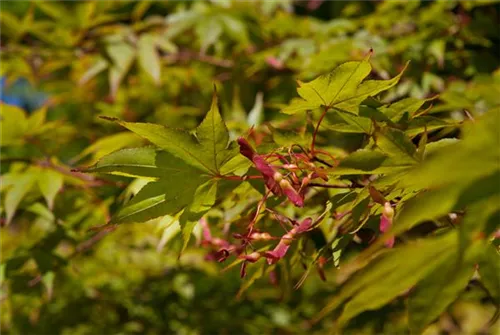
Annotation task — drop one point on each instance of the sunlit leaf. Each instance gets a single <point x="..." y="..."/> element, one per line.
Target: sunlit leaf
<point x="461" y="160"/>
<point x="389" y="276"/>
<point x="17" y="192"/>
<point x="148" y="56"/>
<point x="342" y="89"/>
<point x="489" y="270"/>
<point x="122" y="55"/>
<point x="50" y="183"/>
<point x="209" y="150"/>
<point x="100" y="65"/>
<point x="106" y="145"/>
<point x="440" y="288"/>
<point x="14" y="125"/>
<point x="204" y="197"/>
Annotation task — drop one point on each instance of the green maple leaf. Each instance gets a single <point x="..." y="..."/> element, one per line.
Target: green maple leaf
<point x="343" y="89"/>
<point x="208" y="149"/>
<point x="184" y="175"/>
<point x="172" y="187"/>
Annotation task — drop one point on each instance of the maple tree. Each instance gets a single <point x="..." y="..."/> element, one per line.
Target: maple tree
<point x="249" y="167"/>
<point x="192" y="171"/>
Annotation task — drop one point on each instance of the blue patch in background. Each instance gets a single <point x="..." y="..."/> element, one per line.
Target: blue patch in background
<point x="21" y="94"/>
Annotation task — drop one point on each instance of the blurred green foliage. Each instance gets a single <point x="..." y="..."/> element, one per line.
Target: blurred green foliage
<point x="158" y="62"/>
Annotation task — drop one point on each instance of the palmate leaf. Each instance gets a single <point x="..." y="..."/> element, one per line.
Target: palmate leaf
<point x="185" y="174"/>
<point x="343" y="89"/>
<point x="403" y="270"/>
<point x="452" y="256"/>
<point x="178" y="187"/>
<point x="389" y="276"/>
<point x="457" y="174"/>
<point x="208" y="150"/>
<point x="173" y="189"/>
<point x="432" y="296"/>
<point x="440" y="288"/>
<point x="473" y="157"/>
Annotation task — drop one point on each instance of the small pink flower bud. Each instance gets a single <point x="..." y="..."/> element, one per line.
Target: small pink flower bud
<point x="291" y="167"/>
<point x="287" y="239"/>
<point x="273" y="278"/>
<point x="265" y="236"/>
<point x="207" y="236"/>
<point x="388" y="212"/>
<point x="275" y="63"/>
<point x="386" y="222"/>
<point x="295" y="179"/>
<point x="260" y="236"/>
<point x="390" y="242"/>
<point x="291" y="193"/>
<point x="305" y="182"/>
<point x="219" y="242"/>
<point x="255" y="236"/>
<point x="285" y="184"/>
<point x="277" y="176"/>
<point x="253" y="257"/>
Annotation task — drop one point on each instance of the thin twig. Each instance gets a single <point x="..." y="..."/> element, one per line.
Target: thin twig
<point x="468" y="114"/>
<point x="315" y="158"/>
<point x="317" y="129"/>
<point x="334" y="186"/>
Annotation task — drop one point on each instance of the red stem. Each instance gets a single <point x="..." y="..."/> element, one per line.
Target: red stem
<point x="257" y="212"/>
<point x="335" y="186"/>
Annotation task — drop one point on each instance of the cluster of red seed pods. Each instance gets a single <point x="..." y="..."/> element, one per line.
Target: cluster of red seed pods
<point x="284" y="175"/>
